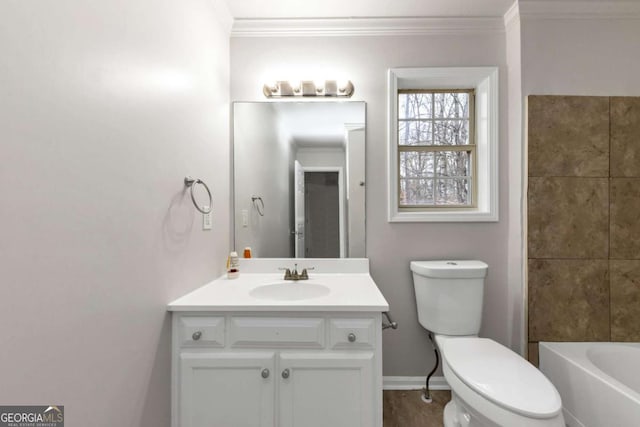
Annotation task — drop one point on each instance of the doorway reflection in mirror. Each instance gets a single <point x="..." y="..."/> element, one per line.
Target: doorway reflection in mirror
<point x="308" y="160"/>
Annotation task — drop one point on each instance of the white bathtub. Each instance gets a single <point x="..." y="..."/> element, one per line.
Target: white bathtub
<point x="599" y="383"/>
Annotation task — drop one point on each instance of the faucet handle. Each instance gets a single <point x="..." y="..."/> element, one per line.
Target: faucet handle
<point x="304" y="275"/>
<point x="287" y="273"/>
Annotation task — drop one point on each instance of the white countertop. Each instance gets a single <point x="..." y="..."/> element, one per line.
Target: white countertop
<point x="348" y="292"/>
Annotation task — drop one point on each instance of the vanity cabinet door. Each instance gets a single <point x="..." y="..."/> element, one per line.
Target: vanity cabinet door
<point x="326" y="389"/>
<point x="227" y="389"/>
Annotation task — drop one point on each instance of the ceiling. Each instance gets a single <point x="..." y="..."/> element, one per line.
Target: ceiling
<point x="257" y="9"/>
<point x="316" y="124"/>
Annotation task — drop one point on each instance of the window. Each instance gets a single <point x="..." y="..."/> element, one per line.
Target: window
<point x="436" y="149"/>
<point x="443" y="136"/>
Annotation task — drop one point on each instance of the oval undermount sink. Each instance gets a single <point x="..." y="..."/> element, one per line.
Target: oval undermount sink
<point x="289" y="291"/>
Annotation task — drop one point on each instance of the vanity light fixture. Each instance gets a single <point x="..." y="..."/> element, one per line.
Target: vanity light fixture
<point x="332" y="88"/>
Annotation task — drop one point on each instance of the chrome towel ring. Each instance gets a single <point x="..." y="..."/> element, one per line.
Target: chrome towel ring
<point x="190" y="182"/>
<point x="259" y="206"/>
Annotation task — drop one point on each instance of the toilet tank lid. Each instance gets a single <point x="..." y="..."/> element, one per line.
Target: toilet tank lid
<point x="450" y="269"/>
<point x="501" y="376"/>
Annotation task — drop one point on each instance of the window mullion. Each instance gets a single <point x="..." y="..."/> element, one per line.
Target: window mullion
<point x="426" y="180"/>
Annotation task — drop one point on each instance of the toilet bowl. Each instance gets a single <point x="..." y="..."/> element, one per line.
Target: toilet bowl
<point x="490" y="384"/>
<point x="493" y="386"/>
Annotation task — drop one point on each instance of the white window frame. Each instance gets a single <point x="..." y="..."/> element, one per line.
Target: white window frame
<point x="485" y="82"/>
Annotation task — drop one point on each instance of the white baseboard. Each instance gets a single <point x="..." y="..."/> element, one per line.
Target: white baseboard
<point x="413" y="383"/>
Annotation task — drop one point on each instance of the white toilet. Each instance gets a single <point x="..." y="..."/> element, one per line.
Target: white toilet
<point x="490" y="384"/>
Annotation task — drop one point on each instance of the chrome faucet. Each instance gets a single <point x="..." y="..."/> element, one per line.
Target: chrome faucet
<point x="294" y="275"/>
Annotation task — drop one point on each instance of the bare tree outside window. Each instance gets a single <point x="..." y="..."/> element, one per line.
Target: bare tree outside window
<point x="436" y="150"/>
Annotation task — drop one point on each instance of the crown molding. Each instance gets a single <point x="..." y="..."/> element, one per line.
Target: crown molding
<point x="563" y="9"/>
<point x="365" y="27"/>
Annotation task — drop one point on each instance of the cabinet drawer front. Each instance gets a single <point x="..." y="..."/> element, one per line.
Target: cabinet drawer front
<point x="352" y="333"/>
<point x="276" y="331"/>
<point x="200" y="331"/>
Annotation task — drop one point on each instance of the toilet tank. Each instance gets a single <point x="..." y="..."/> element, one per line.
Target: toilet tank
<point x="449" y="295"/>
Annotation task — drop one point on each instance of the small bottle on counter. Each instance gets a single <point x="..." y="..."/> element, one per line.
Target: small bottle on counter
<point x="247" y="252"/>
<point x="233" y="266"/>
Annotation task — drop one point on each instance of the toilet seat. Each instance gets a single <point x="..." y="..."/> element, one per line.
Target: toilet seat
<point x="500" y="376"/>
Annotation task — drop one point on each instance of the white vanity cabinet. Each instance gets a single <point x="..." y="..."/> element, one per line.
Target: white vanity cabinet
<point x="286" y="369"/>
<point x="325" y="389"/>
<point x="226" y="389"/>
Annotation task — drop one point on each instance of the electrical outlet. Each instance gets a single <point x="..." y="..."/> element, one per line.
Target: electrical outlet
<point x="207" y="219"/>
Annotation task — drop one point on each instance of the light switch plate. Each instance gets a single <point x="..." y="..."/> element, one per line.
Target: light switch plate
<point x="207" y="220"/>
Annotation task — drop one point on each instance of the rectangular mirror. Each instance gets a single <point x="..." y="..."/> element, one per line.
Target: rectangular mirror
<point x="299" y="179"/>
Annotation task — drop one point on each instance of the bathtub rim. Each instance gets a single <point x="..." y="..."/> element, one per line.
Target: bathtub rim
<point x="577" y="356"/>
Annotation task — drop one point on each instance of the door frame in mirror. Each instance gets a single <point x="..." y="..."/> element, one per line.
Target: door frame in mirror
<point x="348" y="185"/>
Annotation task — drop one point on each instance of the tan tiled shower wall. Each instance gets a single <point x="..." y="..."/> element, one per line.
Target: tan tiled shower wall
<point x="583" y="219"/>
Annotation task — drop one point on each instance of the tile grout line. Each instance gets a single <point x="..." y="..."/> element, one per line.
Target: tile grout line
<point x="584" y="259"/>
<point x="575" y="259"/>
<point x="609" y="233"/>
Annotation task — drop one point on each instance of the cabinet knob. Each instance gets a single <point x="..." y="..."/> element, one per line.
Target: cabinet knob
<point x="265" y="373"/>
<point x="196" y="335"/>
<point x="285" y="374"/>
<point x="351" y="337"/>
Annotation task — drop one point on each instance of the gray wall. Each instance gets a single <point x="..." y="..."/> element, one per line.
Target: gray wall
<point x="589" y="56"/>
<point x="105" y="106"/>
<point x="390" y="247"/>
<point x="325" y="156"/>
<point x="515" y="243"/>
<point x="262" y="155"/>
<point x="356" y="143"/>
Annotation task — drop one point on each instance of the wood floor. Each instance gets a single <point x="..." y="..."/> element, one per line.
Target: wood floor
<point x="405" y="408"/>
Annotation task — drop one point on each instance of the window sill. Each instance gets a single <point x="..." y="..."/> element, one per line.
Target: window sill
<point x="446" y="215"/>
